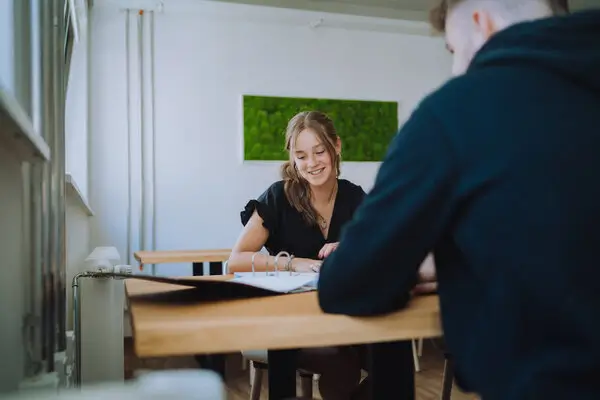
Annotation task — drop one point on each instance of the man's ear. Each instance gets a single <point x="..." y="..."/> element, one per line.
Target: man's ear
<point x="484" y="23"/>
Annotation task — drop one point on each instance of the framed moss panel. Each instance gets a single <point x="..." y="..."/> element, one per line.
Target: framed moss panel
<point x="365" y="127"/>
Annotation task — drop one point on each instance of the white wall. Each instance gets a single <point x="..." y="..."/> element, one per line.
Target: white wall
<point x="102" y="300"/>
<point x="78" y="213"/>
<point x="76" y="119"/>
<point x="207" y="54"/>
<point x="77" y="242"/>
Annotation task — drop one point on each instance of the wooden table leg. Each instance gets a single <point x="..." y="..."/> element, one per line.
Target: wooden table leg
<point x="215" y="268"/>
<point x="198" y="269"/>
<point x="392" y="370"/>
<point x="282" y="374"/>
<point x="214" y="362"/>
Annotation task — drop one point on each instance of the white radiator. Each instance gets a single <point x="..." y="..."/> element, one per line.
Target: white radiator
<point x="102" y="299"/>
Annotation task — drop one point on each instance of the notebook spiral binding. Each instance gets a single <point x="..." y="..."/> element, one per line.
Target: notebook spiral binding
<point x="276" y="263"/>
<point x="289" y="257"/>
<point x="254" y="255"/>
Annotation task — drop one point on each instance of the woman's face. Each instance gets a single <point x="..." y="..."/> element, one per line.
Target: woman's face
<point x="312" y="159"/>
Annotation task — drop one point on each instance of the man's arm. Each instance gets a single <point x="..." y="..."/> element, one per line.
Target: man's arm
<point x="375" y="265"/>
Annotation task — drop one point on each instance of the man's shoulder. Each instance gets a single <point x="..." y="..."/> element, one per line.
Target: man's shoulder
<point x="477" y="90"/>
<point x="455" y="93"/>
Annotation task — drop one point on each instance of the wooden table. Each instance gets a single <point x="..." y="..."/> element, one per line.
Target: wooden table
<point x="216" y="258"/>
<point x="275" y="323"/>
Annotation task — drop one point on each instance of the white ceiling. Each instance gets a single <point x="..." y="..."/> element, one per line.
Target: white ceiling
<point x="426" y="4"/>
<point x="397" y="9"/>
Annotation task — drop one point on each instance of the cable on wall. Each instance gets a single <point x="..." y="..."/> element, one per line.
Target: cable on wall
<point x="142" y="202"/>
<point x="152" y="83"/>
<point x="129" y="139"/>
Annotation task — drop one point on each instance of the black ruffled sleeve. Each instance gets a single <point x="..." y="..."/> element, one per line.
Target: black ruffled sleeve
<point x="359" y="196"/>
<point x="267" y="205"/>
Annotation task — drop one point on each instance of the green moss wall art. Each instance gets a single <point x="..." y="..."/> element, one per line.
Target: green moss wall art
<point x="365" y="127"/>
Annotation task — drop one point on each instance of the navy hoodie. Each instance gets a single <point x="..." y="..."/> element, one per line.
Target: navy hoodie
<point x="498" y="174"/>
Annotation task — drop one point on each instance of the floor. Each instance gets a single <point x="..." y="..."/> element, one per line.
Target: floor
<point x="428" y="380"/>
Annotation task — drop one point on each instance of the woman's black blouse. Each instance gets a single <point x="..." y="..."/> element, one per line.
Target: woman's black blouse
<point x="288" y="231"/>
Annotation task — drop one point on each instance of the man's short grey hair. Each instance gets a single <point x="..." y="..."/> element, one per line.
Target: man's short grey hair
<point x="439" y="13"/>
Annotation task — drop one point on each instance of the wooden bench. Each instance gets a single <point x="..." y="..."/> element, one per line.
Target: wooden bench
<point x="215" y="258"/>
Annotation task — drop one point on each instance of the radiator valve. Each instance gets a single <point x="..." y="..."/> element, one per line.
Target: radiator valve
<point x="123" y="269"/>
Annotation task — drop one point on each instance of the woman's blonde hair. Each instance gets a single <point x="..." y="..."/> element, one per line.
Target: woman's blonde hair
<point x="297" y="189"/>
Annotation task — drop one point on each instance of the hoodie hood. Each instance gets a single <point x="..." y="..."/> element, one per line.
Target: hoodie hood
<point x="567" y="45"/>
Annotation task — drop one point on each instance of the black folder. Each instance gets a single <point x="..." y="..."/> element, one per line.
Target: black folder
<point x="202" y="290"/>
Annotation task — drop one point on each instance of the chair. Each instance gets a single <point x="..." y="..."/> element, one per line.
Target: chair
<point x="258" y="360"/>
<point x="258" y="364"/>
<point x="417" y="349"/>
<point x="448" y="379"/>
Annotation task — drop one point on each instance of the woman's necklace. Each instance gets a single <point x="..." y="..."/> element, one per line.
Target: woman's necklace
<point x="322" y="221"/>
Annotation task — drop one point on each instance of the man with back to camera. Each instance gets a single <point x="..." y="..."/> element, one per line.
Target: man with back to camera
<point x="498" y="174"/>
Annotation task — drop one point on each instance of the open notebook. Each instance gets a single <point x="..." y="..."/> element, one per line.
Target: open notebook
<point x="282" y="282"/>
<point x="243" y="285"/>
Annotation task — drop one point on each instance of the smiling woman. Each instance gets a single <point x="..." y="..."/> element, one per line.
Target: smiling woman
<point x="303" y="214"/>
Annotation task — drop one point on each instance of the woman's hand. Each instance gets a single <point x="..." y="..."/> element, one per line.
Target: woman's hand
<point x="425" y="288"/>
<point x="328" y="249"/>
<point x="427" y="282"/>
<point x="305" y="265"/>
<point x="427" y="271"/>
